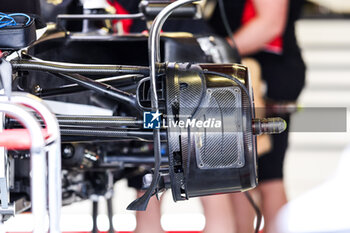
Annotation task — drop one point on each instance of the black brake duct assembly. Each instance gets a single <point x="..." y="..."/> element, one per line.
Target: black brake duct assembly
<point x="210" y="125"/>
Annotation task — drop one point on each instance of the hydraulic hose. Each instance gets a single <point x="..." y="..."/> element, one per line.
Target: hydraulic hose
<point x="101" y="88"/>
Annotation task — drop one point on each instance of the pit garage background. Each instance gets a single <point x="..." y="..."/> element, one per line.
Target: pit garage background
<point x="312" y="158"/>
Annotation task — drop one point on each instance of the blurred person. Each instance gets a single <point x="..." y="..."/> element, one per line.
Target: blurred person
<point x="218" y="214"/>
<point x="220" y="210"/>
<point x="264" y="30"/>
<point x="148" y="221"/>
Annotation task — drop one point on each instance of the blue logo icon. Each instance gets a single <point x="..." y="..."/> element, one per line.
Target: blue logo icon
<point x="151" y="120"/>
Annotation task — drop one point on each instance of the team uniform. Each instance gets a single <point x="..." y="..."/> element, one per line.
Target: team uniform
<point x="283" y="70"/>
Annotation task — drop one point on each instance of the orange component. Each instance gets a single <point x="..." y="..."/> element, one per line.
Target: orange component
<point x="18" y="139"/>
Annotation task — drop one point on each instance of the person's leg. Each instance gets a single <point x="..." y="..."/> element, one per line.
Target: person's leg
<point x="263" y="141"/>
<point x="273" y="197"/>
<point x="271" y="186"/>
<point x="243" y="212"/>
<point x="218" y="214"/>
<point x="149" y="221"/>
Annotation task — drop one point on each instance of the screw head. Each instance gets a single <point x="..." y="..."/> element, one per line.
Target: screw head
<point x="67" y="151"/>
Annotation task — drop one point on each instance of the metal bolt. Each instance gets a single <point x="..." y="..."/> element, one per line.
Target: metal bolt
<point x="37" y="89"/>
<point x="67" y="151"/>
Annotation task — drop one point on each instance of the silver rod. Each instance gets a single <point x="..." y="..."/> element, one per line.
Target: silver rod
<point x="98" y="120"/>
<point x="99" y="16"/>
<point x="50" y="66"/>
<point x="37" y="161"/>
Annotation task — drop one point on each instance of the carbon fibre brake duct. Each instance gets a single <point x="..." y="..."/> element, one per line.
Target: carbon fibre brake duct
<point x="211" y="146"/>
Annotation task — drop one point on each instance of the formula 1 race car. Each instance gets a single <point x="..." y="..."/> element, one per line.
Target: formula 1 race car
<point x="82" y="110"/>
